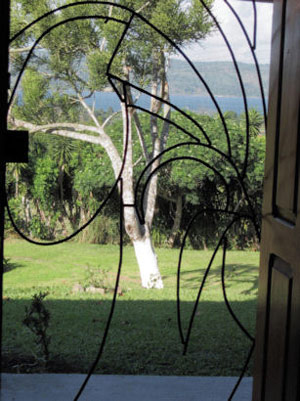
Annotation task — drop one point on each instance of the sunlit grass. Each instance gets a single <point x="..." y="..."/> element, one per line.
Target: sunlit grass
<point x="143" y="338"/>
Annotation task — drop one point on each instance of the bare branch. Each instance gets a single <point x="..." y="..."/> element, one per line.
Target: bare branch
<point x="109" y="118"/>
<point x="89" y="110"/>
<point x="32" y="128"/>
<point x="158" y="142"/>
<point x="143" y="6"/>
<point x="46" y="74"/>
<point x="167" y="113"/>
<point x="137" y="162"/>
<point x="103" y="42"/>
<point x="76" y="135"/>
<point x="76" y="131"/>
<point x="13" y="101"/>
<point x="138" y="126"/>
<point x="22" y="49"/>
<point x="137" y="98"/>
<point x="168" y="197"/>
<point x="141" y="136"/>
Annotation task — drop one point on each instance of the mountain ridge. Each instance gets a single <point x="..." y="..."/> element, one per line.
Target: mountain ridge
<point x="220" y="76"/>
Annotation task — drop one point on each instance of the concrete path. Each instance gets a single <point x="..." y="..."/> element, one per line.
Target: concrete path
<point x="63" y="387"/>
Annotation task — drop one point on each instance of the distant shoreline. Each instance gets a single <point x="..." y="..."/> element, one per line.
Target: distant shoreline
<point x="219" y="96"/>
<point x="196" y="103"/>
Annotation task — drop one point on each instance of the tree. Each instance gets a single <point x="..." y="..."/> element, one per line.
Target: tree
<point x="135" y="54"/>
<point x="194" y="178"/>
<point x="256" y="121"/>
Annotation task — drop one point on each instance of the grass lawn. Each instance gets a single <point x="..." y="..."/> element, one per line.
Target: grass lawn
<point x="143" y="337"/>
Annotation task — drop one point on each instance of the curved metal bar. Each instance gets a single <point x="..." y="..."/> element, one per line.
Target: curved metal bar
<point x="228" y="159"/>
<point x="94" y="365"/>
<point x="109" y="320"/>
<point x="254" y="24"/>
<point x="237" y="217"/>
<point x="185" y="341"/>
<point x="119" y="180"/>
<point x="240" y="81"/>
<point x="135" y="14"/>
<point x="230" y="310"/>
<point x="101" y="348"/>
<point x="170" y="122"/>
<point x="74" y="4"/>
<point x="243" y="372"/>
<point x="24" y="236"/>
<point x="69" y="237"/>
<point x="198" y="160"/>
<point x="252" y="50"/>
<point x="42" y="36"/>
<point x="108" y="74"/>
<point x="198" y="125"/>
<point x="252" y="339"/>
<point x="113" y="304"/>
<point x="213" y="98"/>
<point x="201" y="211"/>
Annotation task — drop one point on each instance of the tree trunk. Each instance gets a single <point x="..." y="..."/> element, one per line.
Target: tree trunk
<point x="177" y="222"/>
<point x="204" y="244"/>
<point x="17" y="186"/>
<point x="27" y="212"/>
<point x="147" y="261"/>
<point x="139" y="234"/>
<point x="61" y="184"/>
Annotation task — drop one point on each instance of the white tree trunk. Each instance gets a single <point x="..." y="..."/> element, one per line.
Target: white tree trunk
<point x="138" y="233"/>
<point x="147" y="261"/>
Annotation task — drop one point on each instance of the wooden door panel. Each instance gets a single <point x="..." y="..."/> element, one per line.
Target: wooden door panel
<point x="277" y="328"/>
<point x="277" y="357"/>
<point x="287" y="129"/>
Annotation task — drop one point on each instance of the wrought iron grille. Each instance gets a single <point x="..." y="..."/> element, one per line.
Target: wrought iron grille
<point x="230" y="212"/>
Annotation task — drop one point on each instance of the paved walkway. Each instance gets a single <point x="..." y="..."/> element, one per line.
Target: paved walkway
<point x="63" y="387"/>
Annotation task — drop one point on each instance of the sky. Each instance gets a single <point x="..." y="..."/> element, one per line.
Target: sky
<point x="213" y="48"/>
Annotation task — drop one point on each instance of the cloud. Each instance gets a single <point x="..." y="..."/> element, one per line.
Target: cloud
<point x="213" y="48"/>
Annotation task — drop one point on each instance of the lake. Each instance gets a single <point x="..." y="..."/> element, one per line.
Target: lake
<point x="201" y="104"/>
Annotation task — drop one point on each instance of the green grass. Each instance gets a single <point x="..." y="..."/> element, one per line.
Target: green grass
<point x="143" y="337"/>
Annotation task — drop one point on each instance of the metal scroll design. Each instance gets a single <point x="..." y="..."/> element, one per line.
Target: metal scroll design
<point x="231" y="215"/>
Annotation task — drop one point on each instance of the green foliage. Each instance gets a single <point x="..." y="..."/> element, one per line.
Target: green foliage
<point x="97" y="64"/>
<point x="35" y="89"/>
<point x="87" y="178"/>
<point x="80" y="62"/>
<point x="256" y="121"/>
<point x="202" y="187"/>
<point x="37" y="318"/>
<point x="96" y="277"/>
<point x="103" y="230"/>
<point x="45" y="180"/>
<point x="17" y="213"/>
<point x="92" y="172"/>
<point x="40" y="229"/>
<point x="159" y="235"/>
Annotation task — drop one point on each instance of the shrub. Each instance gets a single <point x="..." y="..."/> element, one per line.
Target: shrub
<point x="37" y="319"/>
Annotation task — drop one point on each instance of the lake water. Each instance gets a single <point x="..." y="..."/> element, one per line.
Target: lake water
<point x="202" y="104"/>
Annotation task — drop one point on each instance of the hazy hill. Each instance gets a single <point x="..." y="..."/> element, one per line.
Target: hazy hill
<point x="220" y="76"/>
